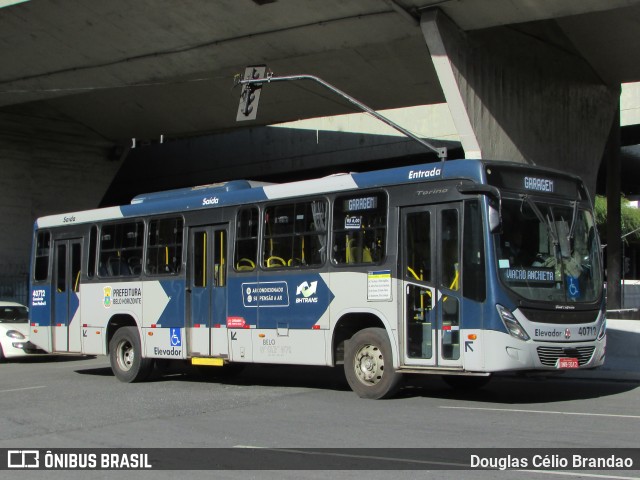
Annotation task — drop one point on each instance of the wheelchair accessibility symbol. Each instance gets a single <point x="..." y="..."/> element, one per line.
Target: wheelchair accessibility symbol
<point x="573" y="287"/>
<point x="176" y="337"/>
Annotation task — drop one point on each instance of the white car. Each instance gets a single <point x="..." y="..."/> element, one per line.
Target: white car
<point x="14" y="331"/>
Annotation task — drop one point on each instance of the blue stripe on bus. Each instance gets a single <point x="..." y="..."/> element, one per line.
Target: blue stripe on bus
<point x="200" y="198"/>
<point x="174" y="313"/>
<point x="295" y="300"/>
<point x="426" y="172"/>
<point x="40" y="311"/>
<point x="186" y="203"/>
<point x="197" y="199"/>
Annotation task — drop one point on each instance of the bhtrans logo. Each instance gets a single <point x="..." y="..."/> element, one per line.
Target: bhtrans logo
<point x="306" y="292"/>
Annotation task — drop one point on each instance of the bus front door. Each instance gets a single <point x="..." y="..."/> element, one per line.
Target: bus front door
<point x="66" y="327"/>
<point x="430" y="267"/>
<point x="207" y="289"/>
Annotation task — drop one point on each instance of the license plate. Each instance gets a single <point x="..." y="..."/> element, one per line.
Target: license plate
<point x="567" y="363"/>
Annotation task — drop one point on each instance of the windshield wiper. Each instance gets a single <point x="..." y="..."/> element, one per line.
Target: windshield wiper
<point x="544" y="220"/>
<point x="573" y="220"/>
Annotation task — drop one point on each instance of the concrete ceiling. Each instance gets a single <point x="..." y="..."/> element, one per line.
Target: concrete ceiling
<point x="150" y="67"/>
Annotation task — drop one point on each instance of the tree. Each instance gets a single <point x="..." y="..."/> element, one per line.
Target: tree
<point x="630" y="217"/>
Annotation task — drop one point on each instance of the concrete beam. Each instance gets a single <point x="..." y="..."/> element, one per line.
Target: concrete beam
<point x="515" y="97"/>
<point x="49" y="164"/>
<point x="261" y="153"/>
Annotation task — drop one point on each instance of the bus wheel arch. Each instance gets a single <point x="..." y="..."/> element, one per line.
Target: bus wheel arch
<point x="347" y="326"/>
<point x="125" y="350"/>
<point x="116" y="322"/>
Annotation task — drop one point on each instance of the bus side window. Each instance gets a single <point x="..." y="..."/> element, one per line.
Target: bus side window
<point x="295" y="235"/>
<point x="93" y="241"/>
<point x="43" y="245"/>
<point x="121" y="249"/>
<point x="359" y="229"/>
<point x="164" y="246"/>
<point x="246" y="249"/>
<point x="278" y="235"/>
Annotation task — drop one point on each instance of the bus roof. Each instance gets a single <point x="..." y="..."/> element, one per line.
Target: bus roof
<point x="239" y="192"/>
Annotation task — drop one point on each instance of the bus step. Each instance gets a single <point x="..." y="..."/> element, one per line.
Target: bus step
<point x="212" y="362"/>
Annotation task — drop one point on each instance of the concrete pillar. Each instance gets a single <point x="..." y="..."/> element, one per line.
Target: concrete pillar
<point x="614" y="224"/>
<point x="516" y="97"/>
<point x="49" y="164"/>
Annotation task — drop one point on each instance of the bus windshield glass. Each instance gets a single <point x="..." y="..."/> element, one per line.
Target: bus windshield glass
<point x="549" y="252"/>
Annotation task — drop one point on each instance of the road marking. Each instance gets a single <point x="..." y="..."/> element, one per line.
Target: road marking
<point x="542" y="411"/>
<point x="24" y="388"/>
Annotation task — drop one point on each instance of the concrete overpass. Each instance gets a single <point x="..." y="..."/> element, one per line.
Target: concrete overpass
<point x="155" y="68"/>
<point x="534" y="81"/>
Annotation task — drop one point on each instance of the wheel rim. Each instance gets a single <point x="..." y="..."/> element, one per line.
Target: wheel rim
<point x="369" y="365"/>
<point x="126" y="355"/>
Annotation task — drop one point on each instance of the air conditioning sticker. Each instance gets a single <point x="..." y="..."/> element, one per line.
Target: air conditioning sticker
<point x="265" y="294"/>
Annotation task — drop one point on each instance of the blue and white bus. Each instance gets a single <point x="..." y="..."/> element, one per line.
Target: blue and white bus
<point x="460" y="268"/>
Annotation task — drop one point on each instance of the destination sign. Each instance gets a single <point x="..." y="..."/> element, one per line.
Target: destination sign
<point x="538" y="184"/>
<point x="534" y="181"/>
<point x="362" y="203"/>
<point x="528" y="275"/>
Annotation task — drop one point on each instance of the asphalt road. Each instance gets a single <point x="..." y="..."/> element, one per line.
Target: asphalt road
<point x="76" y="402"/>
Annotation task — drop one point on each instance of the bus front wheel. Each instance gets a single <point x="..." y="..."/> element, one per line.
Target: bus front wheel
<point x="368" y="364"/>
<point x="125" y="356"/>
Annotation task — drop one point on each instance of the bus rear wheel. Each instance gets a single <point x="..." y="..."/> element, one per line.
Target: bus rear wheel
<point x="368" y="364"/>
<point x="125" y="356"/>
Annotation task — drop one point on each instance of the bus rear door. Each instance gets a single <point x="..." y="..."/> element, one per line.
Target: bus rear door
<point x="207" y="287"/>
<point x="66" y="328"/>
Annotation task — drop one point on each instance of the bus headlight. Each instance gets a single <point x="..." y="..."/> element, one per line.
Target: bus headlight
<point x="513" y="326"/>
<point x="15" y="334"/>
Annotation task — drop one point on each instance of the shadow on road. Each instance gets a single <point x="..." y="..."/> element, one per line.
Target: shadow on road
<point x="51" y="358"/>
<point x="515" y="390"/>
<point x="502" y="389"/>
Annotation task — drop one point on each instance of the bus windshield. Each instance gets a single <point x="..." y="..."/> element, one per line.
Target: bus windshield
<point x="549" y="252"/>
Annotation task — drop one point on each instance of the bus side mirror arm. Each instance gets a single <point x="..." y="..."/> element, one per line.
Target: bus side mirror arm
<point x="495" y="214"/>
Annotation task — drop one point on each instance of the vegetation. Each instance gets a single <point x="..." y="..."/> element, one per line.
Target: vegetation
<point x="630" y="220"/>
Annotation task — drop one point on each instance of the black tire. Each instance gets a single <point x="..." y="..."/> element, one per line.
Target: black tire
<point x="1" y="354"/>
<point x="125" y="355"/>
<point x="463" y="382"/>
<point x="368" y="364"/>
